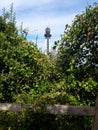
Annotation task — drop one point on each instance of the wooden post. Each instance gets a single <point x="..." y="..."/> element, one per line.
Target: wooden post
<point x="95" y="124"/>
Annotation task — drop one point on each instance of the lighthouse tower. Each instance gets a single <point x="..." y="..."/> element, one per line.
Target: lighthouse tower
<point x="47" y="36"/>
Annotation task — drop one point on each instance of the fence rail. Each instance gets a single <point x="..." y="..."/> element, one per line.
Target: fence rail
<point x="57" y="109"/>
<point x="53" y="109"/>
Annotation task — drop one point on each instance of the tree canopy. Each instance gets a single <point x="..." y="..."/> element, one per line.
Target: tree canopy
<point x="77" y="57"/>
<point x="29" y="76"/>
<point x="79" y="44"/>
<point x="23" y="68"/>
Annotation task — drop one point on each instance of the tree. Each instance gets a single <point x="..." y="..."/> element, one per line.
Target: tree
<point x="78" y="48"/>
<point x="77" y="57"/>
<point x="23" y="68"/>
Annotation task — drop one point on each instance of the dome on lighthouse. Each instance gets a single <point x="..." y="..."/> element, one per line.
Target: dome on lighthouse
<point x="47" y="33"/>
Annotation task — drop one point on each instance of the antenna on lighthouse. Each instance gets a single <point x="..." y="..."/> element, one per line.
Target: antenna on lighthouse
<point x="47" y="36"/>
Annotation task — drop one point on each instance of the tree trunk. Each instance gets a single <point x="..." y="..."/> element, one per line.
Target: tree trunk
<point x="95" y="124"/>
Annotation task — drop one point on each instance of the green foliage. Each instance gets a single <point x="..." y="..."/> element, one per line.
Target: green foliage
<point x="77" y="57"/>
<point x="28" y="120"/>
<point x="29" y="76"/>
<point x="78" y="45"/>
<point x="24" y="69"/>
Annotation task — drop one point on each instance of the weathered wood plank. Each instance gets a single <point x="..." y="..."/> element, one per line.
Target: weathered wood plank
<point x="10" y="107"/>
<point x="71" y="110"/>
<point x="53" y="109"/>
<point x="15" y="107"/>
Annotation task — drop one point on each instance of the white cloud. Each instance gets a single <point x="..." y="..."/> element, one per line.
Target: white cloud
<point x="56" y="24"/>
<point x="23" y="3"/>
<point x="38" y="14"/>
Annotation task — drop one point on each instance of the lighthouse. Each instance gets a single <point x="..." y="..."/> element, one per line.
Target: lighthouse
<point x="47" y="36"/>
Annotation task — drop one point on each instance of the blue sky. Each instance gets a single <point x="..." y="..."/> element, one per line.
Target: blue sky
<point x="36" y="15"/>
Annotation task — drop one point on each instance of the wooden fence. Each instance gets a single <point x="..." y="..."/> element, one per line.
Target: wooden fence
<point x="58" y="109"/>
<point x="54" y="109"/>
